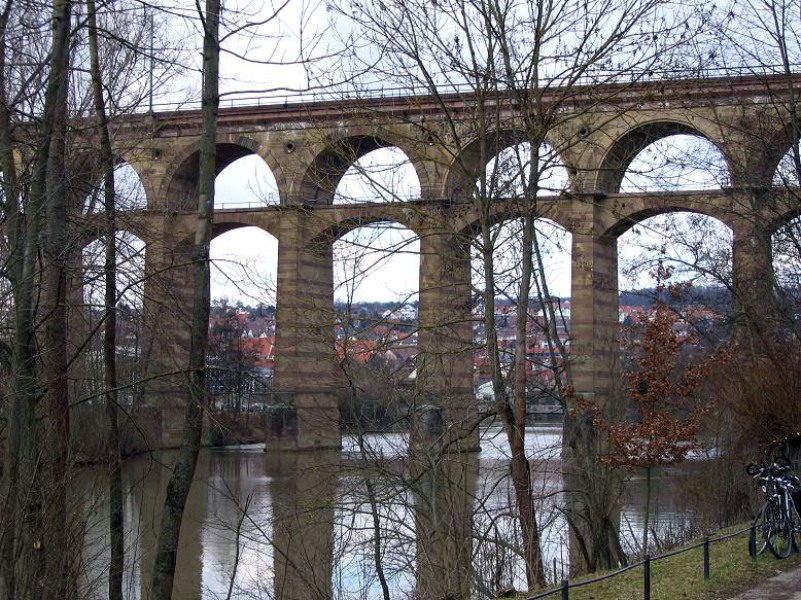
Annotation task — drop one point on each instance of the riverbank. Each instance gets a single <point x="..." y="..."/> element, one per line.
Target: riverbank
<point x="733" y="575"/>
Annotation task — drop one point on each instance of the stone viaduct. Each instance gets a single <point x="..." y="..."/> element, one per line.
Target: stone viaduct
<point x="596" y="131"/>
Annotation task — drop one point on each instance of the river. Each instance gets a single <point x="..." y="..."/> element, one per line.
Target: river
<point x="301" y="525"/>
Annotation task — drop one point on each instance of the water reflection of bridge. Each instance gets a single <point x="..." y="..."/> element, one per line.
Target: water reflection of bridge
<point x="309" y="531"/>
<point x="301" y="526"/>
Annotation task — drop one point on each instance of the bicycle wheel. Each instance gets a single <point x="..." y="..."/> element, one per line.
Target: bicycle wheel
<point x="795" y="524"/>
<point x="759" y="532"/>
<point x="780" y="533"/>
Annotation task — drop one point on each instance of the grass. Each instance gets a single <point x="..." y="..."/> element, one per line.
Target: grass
<point x="681" y="577"/>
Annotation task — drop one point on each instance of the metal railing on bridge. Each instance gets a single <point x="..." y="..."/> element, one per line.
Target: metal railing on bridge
<point x="287" y="97"/>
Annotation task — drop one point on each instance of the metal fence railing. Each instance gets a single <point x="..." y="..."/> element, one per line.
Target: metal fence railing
<point x="286" y="97"/>
<point x="566" y="585"/>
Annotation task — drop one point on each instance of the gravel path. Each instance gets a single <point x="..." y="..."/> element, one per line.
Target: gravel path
<point x="786" y="586"/>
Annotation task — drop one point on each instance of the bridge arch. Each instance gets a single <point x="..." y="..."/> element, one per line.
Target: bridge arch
<point x="180" y="188"/>
<point x="225" y="222"/>
<point x="244" y="264"/>
<point x="93" y="227"/>
<point x="627" y="147"/>
<point x="469" y="165"/>
<point x="512" y="169"/>
<point x="246" y="183"/>
<point x="87" y="313"/>
<point x="555" y="243"/>
<point x="363" y="251"/>
<point x="130" y="189"/>
<point x="640" y="211"/>
<point x="770" y="161"/>
<point x="781" y="170"/>
<point x="696" y="245"/>
<point x="468" y="223"/>
<point x="330" y="159"/>
<point x="131" y="249"/>
<point x="384" y="175"/>
<point x="786" y="259"/>
<point x="320" y="242"/>
<point x="785" y="173"/>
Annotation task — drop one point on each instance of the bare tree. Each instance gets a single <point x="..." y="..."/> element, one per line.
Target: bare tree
<point x="116" y="518"/>
<point x="184" y="469"/>
<point x="754" y="265"/>
<point x="45" y="167"/>
<point x="519" y="66"/>
<point x="39" y="425"/>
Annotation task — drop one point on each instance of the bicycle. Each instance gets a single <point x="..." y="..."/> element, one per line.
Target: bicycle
<point x="778" y="521"/>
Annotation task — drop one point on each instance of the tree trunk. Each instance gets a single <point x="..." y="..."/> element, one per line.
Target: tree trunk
<point x="52" y="541"/>
<point x="647" y="512"/>
<point x="116" y="518"/>
<point x="592" y="499"/>
<point x="516" y="421"/>
<point x="35" y="536"/>
<point x="181" y="480"/>
<point x="8" y="483"/>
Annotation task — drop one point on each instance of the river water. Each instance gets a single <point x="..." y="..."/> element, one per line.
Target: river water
<point x="305" y="525"/>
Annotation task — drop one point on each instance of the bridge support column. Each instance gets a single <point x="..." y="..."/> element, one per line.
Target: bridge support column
<point x="444" y="490"/>
<point x="306" y="371"/>
<point x="167" y="321"/>
<point x="592" y="507"/>
<point x="594" y="322"/>
<point x="756" y="313"/>
<point x="445" y="338"/>
<point x="78" y="325"/>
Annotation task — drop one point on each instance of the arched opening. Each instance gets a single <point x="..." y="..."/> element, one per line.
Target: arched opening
<point x="522" y="170"/>
<point x="546" y="337"/>
<point x="245" y="183"/>
<point x="130" y="270"/>
<point x="87" y="320"/>
<point x="182" y="190"/>
<point x="788" y="171"/>
<point x="548" y="312"/>
<point x="377" y="263"/>
<point x="695" y="247"/>
<point x="376" y="280"/>
<point x="683" y="259"/>
<point x="676" y="281"/>
<point x="786" y="254"/>
<point x="382" y="175"/>
<point x="244" y="267"/>
<point x="129" y="193"/>
<point x="678" y="162"/>
<point x="241" y="352"/>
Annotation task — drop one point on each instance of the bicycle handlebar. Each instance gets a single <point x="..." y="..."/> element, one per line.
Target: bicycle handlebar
<point x="780" y="465"/>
